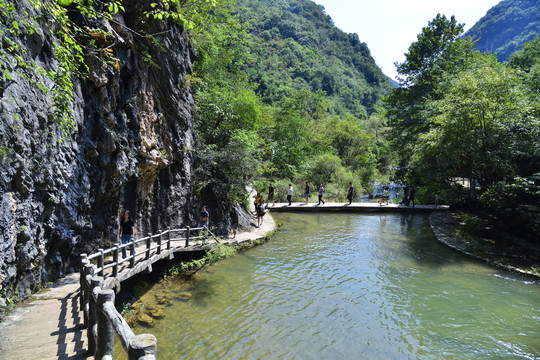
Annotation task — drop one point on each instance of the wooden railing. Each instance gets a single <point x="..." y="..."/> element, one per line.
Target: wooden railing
<point x="97" y="280"/>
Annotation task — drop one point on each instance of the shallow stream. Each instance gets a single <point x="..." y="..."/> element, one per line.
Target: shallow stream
<point x="349" y="286"/>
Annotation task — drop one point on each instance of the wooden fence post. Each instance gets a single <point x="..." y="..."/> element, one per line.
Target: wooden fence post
<point x="159" y="242"/>
<point x="86" y="292"/>
<point x="100" y="262"/>
<point x="169" y="238"/>
<point x="142" y="346"/>
<point x="148" y="243"/>
<point x="105" y="330"/>
<point x="115" y="260"/>
<point x="84" y="259"/>
<point x="132" y="248"/>
<point x="95" y="285"/>
<point x="187" y="236"/>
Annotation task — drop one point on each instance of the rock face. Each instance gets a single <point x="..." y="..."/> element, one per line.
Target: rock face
<point x="61" y="195"/>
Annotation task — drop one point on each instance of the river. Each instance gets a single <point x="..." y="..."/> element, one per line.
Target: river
<point x="349" y="286"/>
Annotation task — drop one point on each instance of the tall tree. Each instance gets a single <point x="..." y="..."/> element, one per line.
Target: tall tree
<point x="438" y="50"/>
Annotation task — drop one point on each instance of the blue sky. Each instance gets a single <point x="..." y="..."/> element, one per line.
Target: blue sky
<point x="388" y="27"/>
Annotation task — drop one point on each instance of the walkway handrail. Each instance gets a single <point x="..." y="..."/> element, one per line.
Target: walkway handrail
<point x="101" y="318"/>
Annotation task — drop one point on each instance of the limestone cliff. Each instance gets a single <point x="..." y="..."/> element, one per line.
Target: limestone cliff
<point x="130" y="147"/>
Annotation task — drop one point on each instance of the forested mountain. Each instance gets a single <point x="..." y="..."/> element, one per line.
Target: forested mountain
<point x="296" y="45"/>
<point x="506" y="27"/>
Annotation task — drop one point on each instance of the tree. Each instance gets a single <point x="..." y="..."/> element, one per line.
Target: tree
<point x="426" y="54"/>
<point x="481" y="125"/>
<point x="438" y="51"/>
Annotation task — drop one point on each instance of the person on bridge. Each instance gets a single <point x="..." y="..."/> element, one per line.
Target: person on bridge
<point x="205" y="217"/>
<point x="321" y="191"/>
<point x="405" y="195"/>
<point x="306" y="192"/>
<point x="289" y="194"/>
<point x="126" y="231"/>
<point x="385" y="196"/>
<point x="350" y="193"/>
<point x="411" y="196"/>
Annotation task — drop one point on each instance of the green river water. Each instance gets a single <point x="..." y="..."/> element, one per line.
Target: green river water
<point x="349" y="286"/>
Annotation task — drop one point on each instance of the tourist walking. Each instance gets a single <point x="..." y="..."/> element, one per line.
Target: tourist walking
<point x="306" y="192"/>
<point x="289" y="194"/>
<point x="257" y="198"/>
<point x="411" y="196"/>
<point x="405" y="195"/>
<point x="385" y="195"/>
<point x="260" y="212"/>
<point x="204" y="219"/>
<point x="234" y="221"/>
<point x="350" y="193"/>
<point x="126" y="231"/>
<point x="321" y="191"/>
<point x="270" y="195"/>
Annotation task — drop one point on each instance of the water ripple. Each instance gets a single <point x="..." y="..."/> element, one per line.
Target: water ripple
<point x="373" y="286"/>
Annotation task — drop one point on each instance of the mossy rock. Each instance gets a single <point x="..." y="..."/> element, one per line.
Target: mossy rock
<point x="146" y="320"/>
<point x="163" y="299"/>
<point x="157" y="313"/>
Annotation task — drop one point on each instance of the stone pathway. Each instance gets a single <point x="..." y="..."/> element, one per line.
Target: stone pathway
<point x="50" y="325"/>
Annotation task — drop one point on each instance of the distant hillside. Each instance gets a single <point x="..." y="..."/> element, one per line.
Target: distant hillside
<point x="506" y="27"/>
<point x="297" y="46"/>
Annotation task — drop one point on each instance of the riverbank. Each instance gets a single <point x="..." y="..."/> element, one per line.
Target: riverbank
<point x="515" y="255"/>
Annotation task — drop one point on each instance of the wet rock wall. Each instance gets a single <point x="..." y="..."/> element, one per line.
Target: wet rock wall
<point x="61" y="193"/>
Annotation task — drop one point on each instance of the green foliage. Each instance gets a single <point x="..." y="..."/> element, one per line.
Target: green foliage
<point x="527" y="61"/>
<point x="424" y="56"/>
<point x="506" y="198"/>
<point x="466" y="116"/>
<point x="299" y="48"/>
<point x="272" y="98"/>
<point x="506" y="27"/>
<point x="127" y="310"/>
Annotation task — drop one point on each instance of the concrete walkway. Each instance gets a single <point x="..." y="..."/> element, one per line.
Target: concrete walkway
<point x="354" y="207"/>
<point x="50" y="326"/>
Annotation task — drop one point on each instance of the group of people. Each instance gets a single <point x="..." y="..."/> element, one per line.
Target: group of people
<point x="408" y="195"/>
<point x="307" y="193"/>
<point x="127" y="228"/>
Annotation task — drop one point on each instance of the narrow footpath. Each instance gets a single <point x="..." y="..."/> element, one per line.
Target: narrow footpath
<point x="50" y="326"/>
<point x="371" y="206"/>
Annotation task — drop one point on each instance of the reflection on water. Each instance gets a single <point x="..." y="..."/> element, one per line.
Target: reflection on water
<point x="349" y="286"/>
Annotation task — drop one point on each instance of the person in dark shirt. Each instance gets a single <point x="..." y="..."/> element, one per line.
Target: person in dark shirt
<point x="306" y="192"/>
<point x="126" y="231"/>
<point x="350" y="193"/>
<point x="321" y="192"/>
<point x="234" y="221"/>
<point x="260" y="212"/>
<point x="205" y="217"/>
<point x="405" y="195"/>
<point x="270" y="195"/>
<point x="412" y="193"/>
